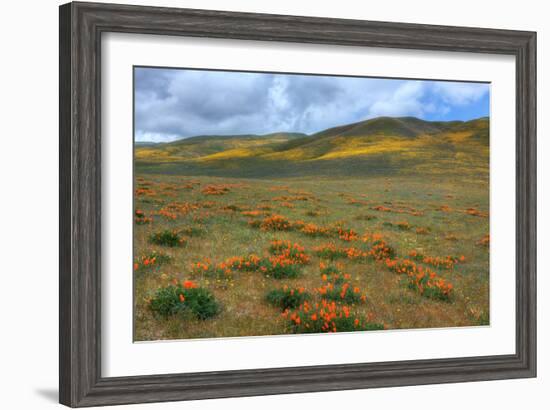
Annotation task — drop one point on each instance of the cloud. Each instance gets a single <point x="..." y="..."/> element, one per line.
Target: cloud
<point x="460" y="93"/>
<point x="404" y="100"/>
<point x="177" y="103"/>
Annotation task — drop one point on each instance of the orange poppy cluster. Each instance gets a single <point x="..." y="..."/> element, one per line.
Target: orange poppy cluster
<point x="276" y="223"/>
<point x="311" y="229"/>
<point x="398" y="210"/>
<point x="215" y="190"/>
<point x="290" y="251"/>
<point x="300" y="290"/>
<point x="281" y="223"/>
<point x="140" y="218"/>
<point x="145" y="191"/>
<point x="145" y="261"/>
<point x="347" y="235"/>
<point x="152" y="259"/>
<point x="327" y="317"/>
<point x="447" y="262"/>
<point x="335" y="289"/>
<point x="333" y="313"/>
<point x="279" y="188"/>
<point x="291" y="198"/>
<point x="189" y="284"/>
<point x="379" y="250"/>
<point x="284" y="260"/>
<point x="476" y="212"/>
<point x="330" y="251"/>
<point x="255" y="212"/>
<point x="164" y="212"/>
<point x="227" y="267"/>
<point x="421" y="279"/>
<point x="182" y="208"/>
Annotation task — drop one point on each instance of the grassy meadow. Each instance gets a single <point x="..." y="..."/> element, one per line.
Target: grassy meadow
<point x="370" y="227"/>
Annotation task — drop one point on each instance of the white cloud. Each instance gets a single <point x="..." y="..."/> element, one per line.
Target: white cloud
<point x="460" y="93"/>
<point x="173" y="104"/>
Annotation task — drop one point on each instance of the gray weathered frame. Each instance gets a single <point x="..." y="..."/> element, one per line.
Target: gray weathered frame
<point x="81" y="27"/>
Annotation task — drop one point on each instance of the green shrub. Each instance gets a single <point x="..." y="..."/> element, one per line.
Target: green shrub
<point x="201" y="302"/>
<point x="167" y="238"/>
<point x="280" y="270"/>
<point x="332" y="274"/>
<point x="166" y="301"/>
<point x="430" y="286"/>
<point x="178" y="299"/>
<point x="380" y="250"/>
<point x="342" y="293"/>
<point x="330" y="251"/>
<point x="140" y="218"/>
<point x="152" y="260"/>
<point x="287" y="298"/>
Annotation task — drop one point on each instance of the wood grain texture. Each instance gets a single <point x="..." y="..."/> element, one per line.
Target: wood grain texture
<point x="81" y="26"/>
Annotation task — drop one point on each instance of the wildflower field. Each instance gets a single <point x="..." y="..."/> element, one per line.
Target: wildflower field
<point x="234" y="256"/>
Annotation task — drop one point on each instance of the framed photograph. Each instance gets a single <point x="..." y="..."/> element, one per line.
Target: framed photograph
<point x="262" y="204"/>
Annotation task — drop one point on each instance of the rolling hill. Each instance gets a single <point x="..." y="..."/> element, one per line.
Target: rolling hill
<point x="379" y="146"/>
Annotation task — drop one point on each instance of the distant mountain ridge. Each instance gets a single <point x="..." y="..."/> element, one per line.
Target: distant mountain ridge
<point x="383" y="144"/>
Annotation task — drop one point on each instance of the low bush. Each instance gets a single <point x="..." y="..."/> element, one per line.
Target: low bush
<point x="153" y="259"/>
<point x="167" y="238"/>
<point x="327" y="317"/>
<point x="447" y="262"/>
<point x="330" y="251"/>
<point x="380" y="250"/>
<point x="279" y="267"/>
<point x="332" y="274"/>
<point x="215" y="190"/>
<point x="347" y="235"/>
<point x="185" y="298"/>
<point x="429" y="285"/>
<point x="291" y="251"/>
<point x="315" y="230"/>
<point x="140" y="218"/>
<point x="421" y="279"/>
<point x="341" y="293"/>
<point x="287" y="298"/>
<point x="276" y="223"/>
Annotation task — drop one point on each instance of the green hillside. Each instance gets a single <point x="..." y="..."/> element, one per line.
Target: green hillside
<point x="379" y="146"/>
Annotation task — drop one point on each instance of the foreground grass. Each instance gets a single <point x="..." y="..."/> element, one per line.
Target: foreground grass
<point x="212" y="216"/>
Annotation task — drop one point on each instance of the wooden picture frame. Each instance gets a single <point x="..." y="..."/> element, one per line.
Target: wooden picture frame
<point x="81" y="27"/>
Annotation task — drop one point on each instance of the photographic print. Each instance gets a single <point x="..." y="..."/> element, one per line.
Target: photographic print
<point x="273" y="204"/>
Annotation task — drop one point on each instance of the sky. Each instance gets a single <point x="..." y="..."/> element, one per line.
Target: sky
<point x="178" y="103"/>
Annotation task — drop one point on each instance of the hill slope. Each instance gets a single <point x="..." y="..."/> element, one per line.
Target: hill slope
<point x="381" y="145"/>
